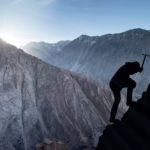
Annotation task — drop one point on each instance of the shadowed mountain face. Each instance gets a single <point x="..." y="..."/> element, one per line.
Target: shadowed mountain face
<point x="132" y="132"/>
<point x="38" y="101"/>
<point x="100" y="56"/>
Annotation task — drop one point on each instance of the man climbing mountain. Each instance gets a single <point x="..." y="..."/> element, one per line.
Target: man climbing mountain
<point x="120" y="80"/>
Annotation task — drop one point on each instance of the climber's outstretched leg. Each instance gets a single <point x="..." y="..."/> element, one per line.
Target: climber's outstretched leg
<point x="117" y="97"/>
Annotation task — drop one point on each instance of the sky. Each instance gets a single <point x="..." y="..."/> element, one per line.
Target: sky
<point x="23" y="21"/>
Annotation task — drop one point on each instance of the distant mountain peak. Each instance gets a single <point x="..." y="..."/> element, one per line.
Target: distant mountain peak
<point x="44" y="46"/>
<point x="138" y="30"/>
<point x="46" y="43"/>
<point x="136" y="33"/>
<point x="84" y="36"/>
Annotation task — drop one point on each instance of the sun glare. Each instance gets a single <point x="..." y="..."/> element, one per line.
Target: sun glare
<point x="12" y="39"/>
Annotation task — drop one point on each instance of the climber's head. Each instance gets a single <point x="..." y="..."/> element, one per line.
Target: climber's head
<point x="136" y="64"/>
<point x="133" y="67"/>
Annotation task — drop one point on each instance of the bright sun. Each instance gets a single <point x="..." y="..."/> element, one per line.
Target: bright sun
<point x="11" y="38"/>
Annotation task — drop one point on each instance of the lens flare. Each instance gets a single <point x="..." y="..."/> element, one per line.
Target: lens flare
<point x="11" y="38"/>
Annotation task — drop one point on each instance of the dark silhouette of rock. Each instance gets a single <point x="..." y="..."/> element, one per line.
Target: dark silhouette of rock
<point x="133" y="131"/>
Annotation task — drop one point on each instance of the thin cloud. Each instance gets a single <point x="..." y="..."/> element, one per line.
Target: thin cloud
<point x="39" y="2"/>
<point x="45" y="2"/>
<point x="15" y="2"/>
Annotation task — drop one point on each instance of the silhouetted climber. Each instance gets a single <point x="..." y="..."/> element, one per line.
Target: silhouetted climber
<point x="122" y="80"/>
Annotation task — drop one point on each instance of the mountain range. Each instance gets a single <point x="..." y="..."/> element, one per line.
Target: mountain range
<point x="51" y="98"/>
<point x="39" y="101"/>
<point x="100" y="56"/>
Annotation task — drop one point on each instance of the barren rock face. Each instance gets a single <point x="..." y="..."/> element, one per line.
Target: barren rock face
<point x="38" y="100"/>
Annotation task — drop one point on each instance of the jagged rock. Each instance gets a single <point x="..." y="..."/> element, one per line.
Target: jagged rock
<point x="133" y="131"/>
<point x="51" y="145"/>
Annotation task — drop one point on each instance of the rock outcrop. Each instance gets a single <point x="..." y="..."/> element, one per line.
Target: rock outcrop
<point x="133" y="131"/>
<point x="50" y="145"/>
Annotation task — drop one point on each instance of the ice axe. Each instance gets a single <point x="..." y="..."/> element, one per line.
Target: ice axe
<point x="145" y="55"/>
